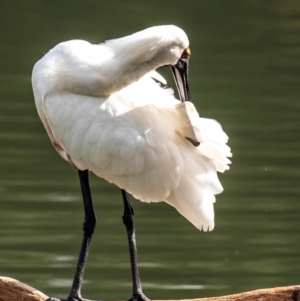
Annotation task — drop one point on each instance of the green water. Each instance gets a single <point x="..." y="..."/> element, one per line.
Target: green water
<point x="244" y="72"/>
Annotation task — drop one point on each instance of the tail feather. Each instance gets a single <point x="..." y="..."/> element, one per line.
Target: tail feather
<point x="196" y="208"/>
<point x="195" y="195"/>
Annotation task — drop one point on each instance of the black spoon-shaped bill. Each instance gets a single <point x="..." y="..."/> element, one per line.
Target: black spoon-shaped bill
<point x="180" y="72"/>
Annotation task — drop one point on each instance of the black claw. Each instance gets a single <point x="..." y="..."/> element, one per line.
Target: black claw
<point x="139" y="297"/>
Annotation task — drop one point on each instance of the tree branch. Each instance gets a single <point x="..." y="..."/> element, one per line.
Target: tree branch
<point x="14" y="290"/>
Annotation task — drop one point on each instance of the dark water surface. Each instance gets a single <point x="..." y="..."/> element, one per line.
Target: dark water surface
<point x="244" y="73"/>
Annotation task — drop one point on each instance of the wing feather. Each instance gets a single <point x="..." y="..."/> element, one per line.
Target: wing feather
<point x="132" y="149"/>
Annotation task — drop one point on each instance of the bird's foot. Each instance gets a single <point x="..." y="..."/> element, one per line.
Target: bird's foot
<point x="139" y="297"/>
<point x="69" y="299"/>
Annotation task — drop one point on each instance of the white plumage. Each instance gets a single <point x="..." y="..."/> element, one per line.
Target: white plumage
<point x="103" y="111"/>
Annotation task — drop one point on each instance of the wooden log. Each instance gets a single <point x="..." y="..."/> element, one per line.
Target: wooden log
<point x="14" y="290"/>
<point x="287" y="293"/>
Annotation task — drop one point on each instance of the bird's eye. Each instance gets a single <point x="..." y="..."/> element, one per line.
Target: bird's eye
<point x="186" y="53"/>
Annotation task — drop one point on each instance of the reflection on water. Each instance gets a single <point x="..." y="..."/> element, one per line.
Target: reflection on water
<point x="172" y="287"/>
<point x="244" y="72"/>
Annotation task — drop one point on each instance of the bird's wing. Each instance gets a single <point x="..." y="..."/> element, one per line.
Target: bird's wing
<point x="143" y="148"/>
<point x="205" y="133"/>
<point x="132" y="148"/>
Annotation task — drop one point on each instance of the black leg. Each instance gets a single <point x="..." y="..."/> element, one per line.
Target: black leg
<point x="128" y="220"/>
<point x="88" y="230"/>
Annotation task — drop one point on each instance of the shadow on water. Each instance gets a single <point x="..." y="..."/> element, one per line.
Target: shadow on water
<point x="244" y="73"/>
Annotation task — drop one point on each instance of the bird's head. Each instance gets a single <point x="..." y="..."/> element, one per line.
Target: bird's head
<point x="152" y="48"/>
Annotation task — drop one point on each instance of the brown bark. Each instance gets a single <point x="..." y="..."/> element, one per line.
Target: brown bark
<point x="14" y="290"/>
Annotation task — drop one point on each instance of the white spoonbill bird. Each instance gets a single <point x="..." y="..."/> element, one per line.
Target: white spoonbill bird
<point x="105" y="110"/>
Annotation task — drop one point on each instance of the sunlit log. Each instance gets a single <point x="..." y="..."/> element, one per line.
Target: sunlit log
<point x="14" y="290"/>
